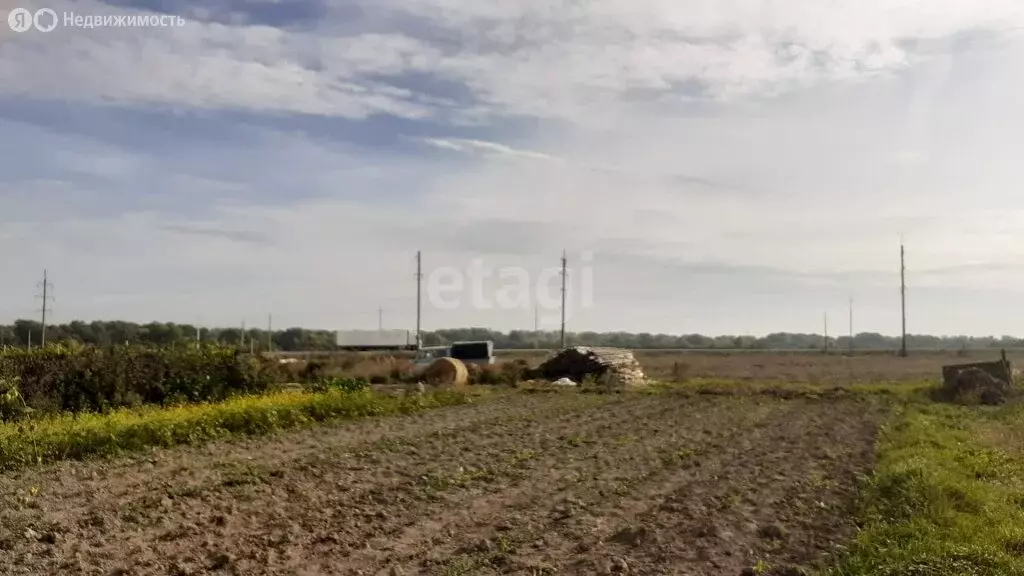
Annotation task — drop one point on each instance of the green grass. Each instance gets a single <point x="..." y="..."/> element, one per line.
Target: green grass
<point x="947" y="497"/>
<point x="75" y="436"/>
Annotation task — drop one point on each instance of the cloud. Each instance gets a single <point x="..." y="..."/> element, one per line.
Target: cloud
<point x="241" y="236"/>
<point x="539" y="58"/>
<point x="734" y="166"/>
<point x="489" y="148"/>
<point x="909" y="157"/>
<point x="494" y="150"/>
<point x="213" y="65"/>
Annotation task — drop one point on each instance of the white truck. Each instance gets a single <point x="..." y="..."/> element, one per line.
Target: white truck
<point x="376" y="340"/>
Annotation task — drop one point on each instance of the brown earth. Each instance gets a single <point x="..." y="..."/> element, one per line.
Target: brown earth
<point x="837" y="368"/>
<point x="516" y="484"/>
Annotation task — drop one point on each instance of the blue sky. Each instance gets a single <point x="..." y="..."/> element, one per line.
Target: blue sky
<point x="732" y="167"/>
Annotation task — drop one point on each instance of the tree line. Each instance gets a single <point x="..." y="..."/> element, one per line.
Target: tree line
<point x="28" y="332"/>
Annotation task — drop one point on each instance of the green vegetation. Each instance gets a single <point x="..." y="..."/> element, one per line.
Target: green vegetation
<point x="947" y="496"/>
<point x="74" y="436"/>
<point x="88" y="378"/>
<point x="169" y="334"/>
<point x="324" y="383"/>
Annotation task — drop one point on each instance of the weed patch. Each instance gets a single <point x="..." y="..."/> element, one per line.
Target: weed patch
<point x="74" y="436"/>
<point x="942" y="501"/>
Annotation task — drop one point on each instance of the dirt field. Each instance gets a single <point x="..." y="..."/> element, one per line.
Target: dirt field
<point x="809" y="367"/>
<point x="784" y="367"/>
<point x="515" y="484"/>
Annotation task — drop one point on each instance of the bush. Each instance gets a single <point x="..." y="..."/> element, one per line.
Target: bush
<point x="59" y="378"/>
<point x="515" y="371"/>
<point x="505" y="373"/>
<point x="313" y="371"/>
<point x="12" y="405"/>
<point x="338" y="383"/>
<point x="486" y="375"/>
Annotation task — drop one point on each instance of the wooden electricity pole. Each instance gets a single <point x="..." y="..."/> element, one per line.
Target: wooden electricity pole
<point x="536" y="325"/>
<point x="419" y="297"/>
<point x="903" y="301"/>
<point x="564" y="276"/>
<point x="825" y="317"/>
<point x="851" y="323"/>
<point x="46" y="297"/>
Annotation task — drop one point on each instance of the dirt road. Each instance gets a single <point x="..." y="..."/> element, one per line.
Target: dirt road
<point x="522" y="484"/>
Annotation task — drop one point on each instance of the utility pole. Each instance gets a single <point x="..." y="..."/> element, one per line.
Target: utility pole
<point x="241" y="344"/>
<point x="270" y="332"/>
<point x="419" y="296"/>
<point x="565" y="275"/>
<point x="380" y="318"/>
<point x="536" y="325"/>
<point x="903" y="300"/>
<point x="825" y="316"/>
<point x="851" y="323"/>
<point x="45" y="285"/>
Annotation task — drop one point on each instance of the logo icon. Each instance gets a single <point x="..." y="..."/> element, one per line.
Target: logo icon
<point x="43" y="26"/>
<point x="20" y="20"/>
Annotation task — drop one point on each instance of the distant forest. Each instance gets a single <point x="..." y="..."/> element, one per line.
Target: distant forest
<point x="22" y="332"/>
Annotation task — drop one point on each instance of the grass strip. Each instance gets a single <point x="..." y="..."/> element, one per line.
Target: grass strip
<point x="75" y="436"/>
<point x="944" y="500"/>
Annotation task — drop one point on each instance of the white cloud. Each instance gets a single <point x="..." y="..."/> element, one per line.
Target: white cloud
<point x="211" y="65"/>
<point x="735" y="165"/>
<point x="542" y="58"/>
<point x="489" y="148"/>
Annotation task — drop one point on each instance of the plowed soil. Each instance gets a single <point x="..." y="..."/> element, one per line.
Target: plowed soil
<point x="561" y="483"/>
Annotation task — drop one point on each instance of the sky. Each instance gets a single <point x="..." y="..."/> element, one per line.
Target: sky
<point x="711" y="166"/>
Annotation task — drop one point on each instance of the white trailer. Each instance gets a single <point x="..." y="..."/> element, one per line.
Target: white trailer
<point x="376" y="339"/>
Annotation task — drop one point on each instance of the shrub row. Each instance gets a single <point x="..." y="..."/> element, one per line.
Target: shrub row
<point x="74" y="436"/>
<point x="59" y="378"/>
<point x="505" y="373"/>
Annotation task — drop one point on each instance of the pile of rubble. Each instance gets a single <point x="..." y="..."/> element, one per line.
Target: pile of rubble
<point x="988" y="383"/>
<point x="612" y="368"/>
